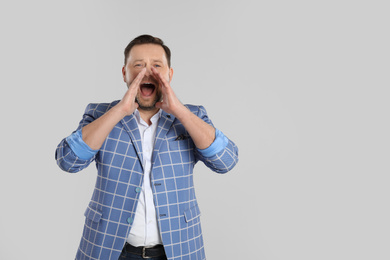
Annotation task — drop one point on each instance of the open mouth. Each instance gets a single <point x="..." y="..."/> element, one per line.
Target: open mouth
<point x="147" y="89"/>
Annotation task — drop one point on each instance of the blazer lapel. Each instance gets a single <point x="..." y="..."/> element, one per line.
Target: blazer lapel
<point x="131" y="126"/>
<point x="164" y="124"/>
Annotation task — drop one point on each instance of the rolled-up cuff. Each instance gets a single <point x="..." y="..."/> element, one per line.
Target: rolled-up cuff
<point x="218" y="145"/>
<point x="79" y="147"/>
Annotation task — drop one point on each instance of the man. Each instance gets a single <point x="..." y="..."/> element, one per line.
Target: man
<point x="145" y="147"/>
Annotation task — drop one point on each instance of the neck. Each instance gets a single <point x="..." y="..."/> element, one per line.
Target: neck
<point x="146" y="115"/>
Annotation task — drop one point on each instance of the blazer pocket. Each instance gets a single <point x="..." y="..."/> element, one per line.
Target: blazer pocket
<point x="192" y="213"/>
<point x="93" y="214"/>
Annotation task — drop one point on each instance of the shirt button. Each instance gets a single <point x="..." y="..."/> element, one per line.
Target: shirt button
<point x="129" y="220"/>
<point x="138" y="189"/>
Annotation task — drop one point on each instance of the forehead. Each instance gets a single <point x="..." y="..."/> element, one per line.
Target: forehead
<point x="147" y="51"/>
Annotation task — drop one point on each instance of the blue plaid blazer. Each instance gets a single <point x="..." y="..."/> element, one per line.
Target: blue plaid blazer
<point x="110" y="213"/>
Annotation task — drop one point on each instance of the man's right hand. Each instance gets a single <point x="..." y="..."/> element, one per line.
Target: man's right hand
<point x="96" y="132"/>
<point x="128" y="105"/>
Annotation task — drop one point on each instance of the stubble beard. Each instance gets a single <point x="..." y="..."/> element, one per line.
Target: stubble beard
<point x="151" y="105"/>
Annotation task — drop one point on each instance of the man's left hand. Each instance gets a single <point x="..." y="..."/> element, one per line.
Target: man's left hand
<point x="170" y="102"/>
<point x="201" y="133"/>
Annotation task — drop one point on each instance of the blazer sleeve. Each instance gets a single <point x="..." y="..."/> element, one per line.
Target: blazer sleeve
<point x="225" y="159"/>
<point x="66" y="159"/>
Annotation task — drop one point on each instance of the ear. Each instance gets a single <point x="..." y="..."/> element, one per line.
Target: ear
<point x="170" y="75"/>
<point x="124" y="73"/>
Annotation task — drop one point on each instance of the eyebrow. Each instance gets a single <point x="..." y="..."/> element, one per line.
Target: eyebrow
<point x="143" y="60"/>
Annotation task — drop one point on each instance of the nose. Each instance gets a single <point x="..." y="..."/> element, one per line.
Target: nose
<point x="148" y="70"/>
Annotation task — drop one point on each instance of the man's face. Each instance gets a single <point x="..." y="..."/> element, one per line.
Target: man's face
<point x="139" y="57"/>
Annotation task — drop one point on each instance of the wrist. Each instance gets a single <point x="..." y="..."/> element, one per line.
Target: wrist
<point x="181" y="113"/>
<point x="120" y="111"/>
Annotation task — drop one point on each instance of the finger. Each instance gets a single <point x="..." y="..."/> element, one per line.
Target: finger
<point x="163" y="81"/>
<point x="134" y="86"/>
<point x="158" y="104"/>
<point x="139" y="78"/>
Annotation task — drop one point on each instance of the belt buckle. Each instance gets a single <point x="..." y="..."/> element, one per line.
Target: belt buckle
<point x="144" y="253"/>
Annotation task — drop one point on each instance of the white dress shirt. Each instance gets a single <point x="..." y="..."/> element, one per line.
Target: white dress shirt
<point x="144" y="231"/>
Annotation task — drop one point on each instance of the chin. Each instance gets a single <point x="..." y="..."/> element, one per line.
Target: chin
<point x="146" y="106"/>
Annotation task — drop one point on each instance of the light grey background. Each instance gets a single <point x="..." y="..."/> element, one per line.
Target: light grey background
<point x="300" y="86"/>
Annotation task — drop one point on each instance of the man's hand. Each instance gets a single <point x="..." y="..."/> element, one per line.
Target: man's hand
<point x="96" y="132"/>
<point x="201" y="133"/>
<point x="128" y="105"/>
<point x="170" y="102"/>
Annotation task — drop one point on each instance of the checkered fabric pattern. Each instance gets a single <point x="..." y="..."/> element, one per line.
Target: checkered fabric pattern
<point x="110" y="213"/>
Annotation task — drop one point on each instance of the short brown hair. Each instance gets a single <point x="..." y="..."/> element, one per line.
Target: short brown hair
<point x="144" y="39"/>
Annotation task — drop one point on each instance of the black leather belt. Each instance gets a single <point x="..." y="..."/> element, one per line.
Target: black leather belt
<point x="145" y="252"/>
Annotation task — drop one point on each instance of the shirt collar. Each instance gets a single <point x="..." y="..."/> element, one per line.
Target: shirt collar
<point x="154" y="118"/>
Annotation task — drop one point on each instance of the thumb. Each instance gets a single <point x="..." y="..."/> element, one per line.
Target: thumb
<point x="158" y="104"/>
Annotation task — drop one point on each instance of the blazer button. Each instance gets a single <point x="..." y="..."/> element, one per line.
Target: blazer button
<point x="138" y="189"/>
<point x="129" y="220"/>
